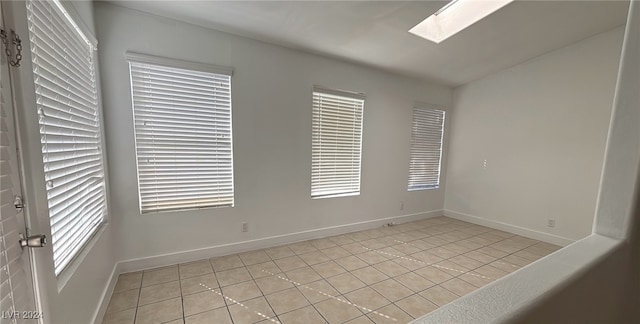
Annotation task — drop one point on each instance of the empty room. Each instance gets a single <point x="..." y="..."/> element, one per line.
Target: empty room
<point x="461" y="161"/>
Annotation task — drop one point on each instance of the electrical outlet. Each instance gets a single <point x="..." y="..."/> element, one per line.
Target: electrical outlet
<point x="551" y="222"/>
<point x="402" y="205"/>
<point x="245" y="227"/>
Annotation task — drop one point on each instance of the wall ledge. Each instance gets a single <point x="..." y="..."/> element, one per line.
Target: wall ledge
<point x="506" y="298"/>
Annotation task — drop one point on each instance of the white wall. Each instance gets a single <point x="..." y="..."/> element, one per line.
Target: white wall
<point x="601" y="287"/>
<point x="271" y="133"/>
<point x="541" y="126"/>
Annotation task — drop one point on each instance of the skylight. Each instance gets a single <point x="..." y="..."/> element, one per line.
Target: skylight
<point x="454" y="17"/>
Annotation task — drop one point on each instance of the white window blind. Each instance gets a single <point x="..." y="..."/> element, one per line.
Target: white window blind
<point x="182" y="120"/>
<point x="336" y="143"/>
<point x="426" y="148"/>
<point x="67" y="102"/>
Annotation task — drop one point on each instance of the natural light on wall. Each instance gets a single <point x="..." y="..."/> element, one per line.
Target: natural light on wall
<point x="455" y="17"/>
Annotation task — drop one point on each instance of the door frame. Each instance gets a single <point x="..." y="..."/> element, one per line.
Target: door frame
<point x="24" y="158"/>
<point x="47" y="286"/>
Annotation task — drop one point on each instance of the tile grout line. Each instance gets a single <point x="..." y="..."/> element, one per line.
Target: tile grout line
<point x="326" y="280"/>
<point x="429" y="264"/>
<point x="265" y="296"/>
<point x="333" y="297"/>
<point x="489" y="246"/>
<point x="219" y="286"/>
<point x="476" y="249"/>
<point x="135" y="317"/>
<point x="253" y="279"/>
<point x="235" y="302"/>
<point x="505" y="263"/>
<point x="310" y="303"/>
<point x="184" y="318"/>
<point x="414" y="294"/>
<point x="305" y="297"/>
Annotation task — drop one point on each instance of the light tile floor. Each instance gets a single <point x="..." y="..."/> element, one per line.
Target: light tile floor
<point x="386" y="275"/>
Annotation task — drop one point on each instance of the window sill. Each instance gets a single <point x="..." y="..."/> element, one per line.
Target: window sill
<point x="349" y="194"/>
<point x="185" y="209"/>
<point x="504" y="299"/>
<point x="423" y="188"/>
<point x="65" y="276"/>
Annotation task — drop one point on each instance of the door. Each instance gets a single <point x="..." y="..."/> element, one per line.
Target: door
<point x="17" y="303"/>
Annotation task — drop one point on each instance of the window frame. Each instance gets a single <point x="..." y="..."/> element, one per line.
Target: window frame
<point x="76" y="22"/>
<point x="343" y="94"/>
<point x="429" y="186"/>
<point x="139" y="58"/>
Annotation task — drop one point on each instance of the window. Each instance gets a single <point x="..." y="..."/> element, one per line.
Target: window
<point x="64" y="73"/>
<point x="336" y="144"/>
<point x="454" y="17"/>
<point x="182" y="122"/>
<point x="426" y="149"/>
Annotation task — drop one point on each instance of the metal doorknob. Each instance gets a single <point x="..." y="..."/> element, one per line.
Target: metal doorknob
<point x="33" y="241"/>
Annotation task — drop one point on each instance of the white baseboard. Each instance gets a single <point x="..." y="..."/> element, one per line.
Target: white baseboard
<point x="238" y="247"/>
<point x="106" y="294"/>
<point x="536" y="235"/>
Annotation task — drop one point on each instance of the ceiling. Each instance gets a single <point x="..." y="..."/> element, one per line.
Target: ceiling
<point x="375" y="33"/>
